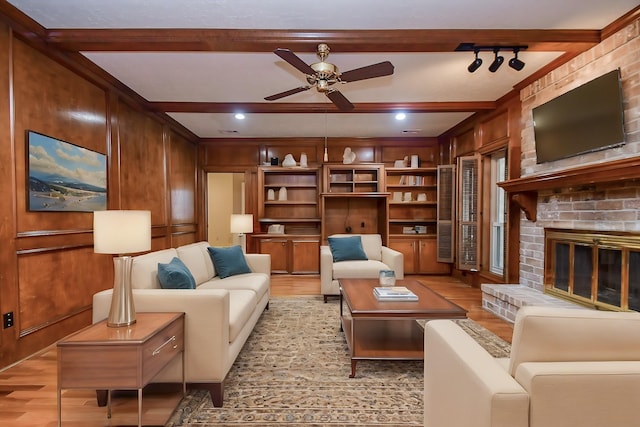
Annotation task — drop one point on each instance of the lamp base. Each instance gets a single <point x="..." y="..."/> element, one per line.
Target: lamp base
<point x="122" y="311"/>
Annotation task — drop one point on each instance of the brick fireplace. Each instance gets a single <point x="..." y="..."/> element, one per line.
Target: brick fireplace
<point x="593" y="192"/>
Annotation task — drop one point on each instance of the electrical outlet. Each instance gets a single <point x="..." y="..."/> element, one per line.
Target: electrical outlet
<point x="7" y="320"/>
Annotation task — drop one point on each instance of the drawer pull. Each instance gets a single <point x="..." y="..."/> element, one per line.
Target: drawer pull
<point x="159" y="349"/>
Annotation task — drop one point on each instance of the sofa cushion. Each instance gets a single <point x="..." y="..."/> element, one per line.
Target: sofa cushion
<point x="229" y="261"/>
<point x="175" y="275"/>
<point x="347" y="248"/>
<point x="144" y="270"/>
<point x="256" y="282"/>
<point x="197" y="259"/>
<point x="242" y="304"/>
<point x="358" y="269"/>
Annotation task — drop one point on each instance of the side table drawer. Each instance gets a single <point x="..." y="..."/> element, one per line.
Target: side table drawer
<point x="163" y="347"/>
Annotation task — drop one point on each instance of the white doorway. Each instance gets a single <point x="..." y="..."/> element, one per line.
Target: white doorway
<point x="225" y="196"/>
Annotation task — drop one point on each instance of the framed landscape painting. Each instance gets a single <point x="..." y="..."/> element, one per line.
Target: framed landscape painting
<point x="64" y="177"/>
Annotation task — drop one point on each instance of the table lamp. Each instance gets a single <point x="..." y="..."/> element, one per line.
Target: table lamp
<point x="241" y="224"/>
<point x="121" y="232"/>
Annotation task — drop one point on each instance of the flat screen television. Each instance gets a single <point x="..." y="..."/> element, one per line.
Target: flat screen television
<point x="587" y="118"/>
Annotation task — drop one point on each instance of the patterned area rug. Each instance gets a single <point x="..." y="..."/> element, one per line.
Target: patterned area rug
<point x="294" y="371"/>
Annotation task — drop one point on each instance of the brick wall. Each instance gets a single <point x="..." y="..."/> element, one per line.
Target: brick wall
<point x="598" y="207"/>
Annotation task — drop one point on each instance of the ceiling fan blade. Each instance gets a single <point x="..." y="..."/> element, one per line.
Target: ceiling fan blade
<point x="376" y="70"/>
<point x="287" y="93"/>
<point x="293" y="59"/>
<point x="340" y="100"/>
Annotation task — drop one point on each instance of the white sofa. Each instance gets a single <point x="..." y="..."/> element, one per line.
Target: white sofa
<point x="567" y="368"/>
<point x="220" y="313"/>
<point x="379" y="258"/>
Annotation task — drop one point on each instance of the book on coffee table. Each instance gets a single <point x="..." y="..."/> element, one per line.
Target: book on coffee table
<point x="394" y="293"/>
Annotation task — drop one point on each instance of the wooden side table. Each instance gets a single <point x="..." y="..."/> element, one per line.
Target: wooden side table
<point x="125" y="358"/>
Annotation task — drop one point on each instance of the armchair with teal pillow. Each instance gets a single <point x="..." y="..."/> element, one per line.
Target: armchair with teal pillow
<point x="360" y="256"/>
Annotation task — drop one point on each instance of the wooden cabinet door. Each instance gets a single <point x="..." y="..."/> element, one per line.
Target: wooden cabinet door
<point x="277" y="248"/>
<point x="428" y="259"/>
<point x="408" y="249"/>
<point x="305" y="256"/>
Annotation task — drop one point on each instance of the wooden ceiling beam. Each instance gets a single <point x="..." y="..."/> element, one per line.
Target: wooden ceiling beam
<point x="233" y="40"/>
<point x="299" y="107"/>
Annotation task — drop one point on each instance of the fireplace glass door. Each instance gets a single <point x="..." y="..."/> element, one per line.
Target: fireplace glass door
<point x="595" y="269"/>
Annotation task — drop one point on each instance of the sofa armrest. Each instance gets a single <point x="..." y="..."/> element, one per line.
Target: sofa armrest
<point x="464" y="385"/>
<point x="206" y="328"/>
<point x="575" y="393"/>
<point x="326" y="267"/>
<point x="395" y="260"/>
<point x="259" y="263"/>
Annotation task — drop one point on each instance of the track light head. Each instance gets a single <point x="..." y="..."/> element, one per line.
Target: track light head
<point x="497" y="62"/>
<point x="475" y="64"/>
<point x="514" y="62"/>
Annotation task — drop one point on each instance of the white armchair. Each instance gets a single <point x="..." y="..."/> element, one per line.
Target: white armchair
<point x="379" y="258"/>
<point x="568" y="367"/>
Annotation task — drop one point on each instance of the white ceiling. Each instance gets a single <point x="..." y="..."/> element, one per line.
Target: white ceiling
<point x="247" y="77"/>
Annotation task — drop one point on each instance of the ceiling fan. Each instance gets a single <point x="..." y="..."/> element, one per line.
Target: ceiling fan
<point x="323" y="75"/>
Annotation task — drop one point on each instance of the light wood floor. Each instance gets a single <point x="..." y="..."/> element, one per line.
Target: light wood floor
<point x="28" y="389"/>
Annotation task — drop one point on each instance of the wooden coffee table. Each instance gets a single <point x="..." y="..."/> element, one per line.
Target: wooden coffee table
<point x="388" y="329"/>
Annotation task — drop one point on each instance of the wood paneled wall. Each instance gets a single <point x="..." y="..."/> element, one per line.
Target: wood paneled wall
<point x="48" y="271"/>
<point x="486" y="133"/>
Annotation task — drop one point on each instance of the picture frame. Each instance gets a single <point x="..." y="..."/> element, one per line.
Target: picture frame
<point x="62" y="176"/>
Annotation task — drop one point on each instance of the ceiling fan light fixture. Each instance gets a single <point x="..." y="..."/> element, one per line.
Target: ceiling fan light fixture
<point x="475" y="64"/>
<point x="514" y="62"/>
<point x="497" y="62"/>
<point x="322" y="75"/>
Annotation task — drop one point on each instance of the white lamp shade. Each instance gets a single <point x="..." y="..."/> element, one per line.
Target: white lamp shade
<point x="121" y="232"/>
<point x="241" y="223"/>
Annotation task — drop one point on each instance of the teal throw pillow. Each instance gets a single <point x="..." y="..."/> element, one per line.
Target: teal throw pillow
<point x="347" y="249"/>
<point x="229" y="261"/>
<point x="175" y="275"/>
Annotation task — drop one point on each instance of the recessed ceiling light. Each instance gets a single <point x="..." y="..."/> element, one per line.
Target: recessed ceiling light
<point x="239" y="116"/>
<point x="401" y="116"/>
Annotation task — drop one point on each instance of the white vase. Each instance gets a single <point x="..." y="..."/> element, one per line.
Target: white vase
<point x="271" y="195"/>
<point x="303" y="160"/>
<point x="282" y="194"/>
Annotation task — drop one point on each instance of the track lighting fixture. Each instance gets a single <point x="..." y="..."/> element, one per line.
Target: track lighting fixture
<point x="514" y="62"/>
<point x="497" y="62"/>
<point x="475" y="64"/>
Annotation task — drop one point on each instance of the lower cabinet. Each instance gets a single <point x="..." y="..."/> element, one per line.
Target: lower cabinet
<point x="419" y="255"/>
<point x="292" y="254"/>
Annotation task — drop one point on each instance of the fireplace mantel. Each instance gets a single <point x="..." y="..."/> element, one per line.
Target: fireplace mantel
<point x="524" y="191"/>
